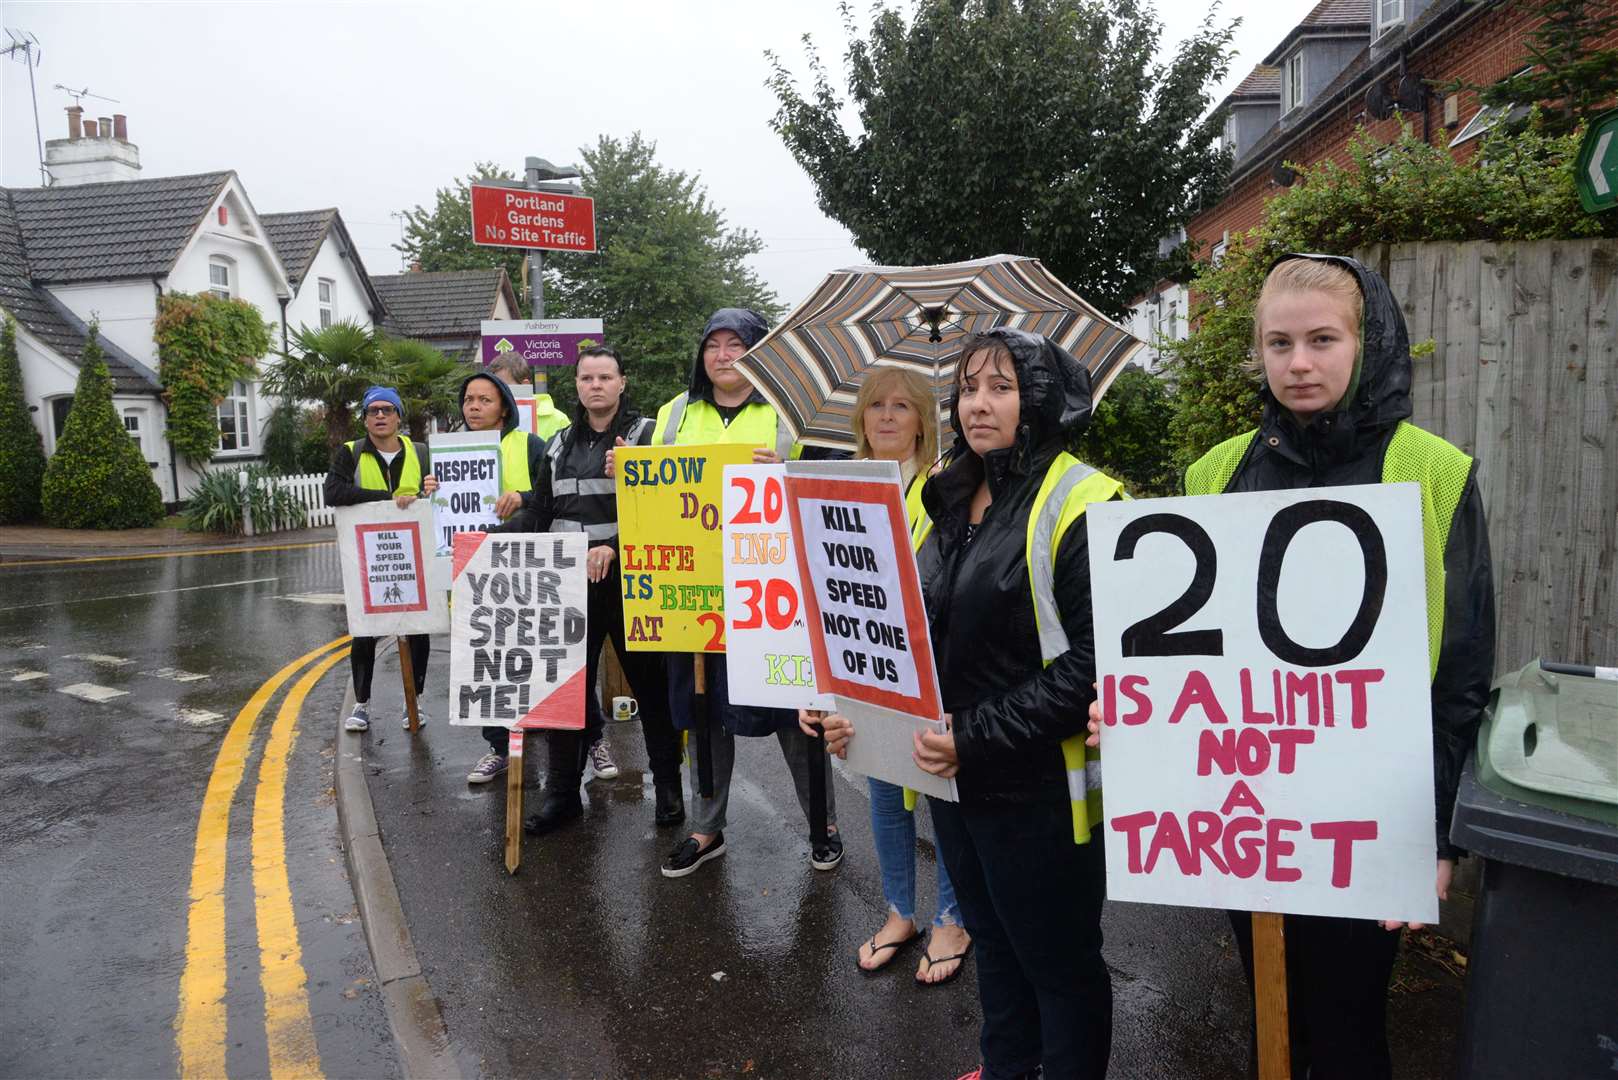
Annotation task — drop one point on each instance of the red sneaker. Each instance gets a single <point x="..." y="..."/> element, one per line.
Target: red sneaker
<point x="975" y="1074"/>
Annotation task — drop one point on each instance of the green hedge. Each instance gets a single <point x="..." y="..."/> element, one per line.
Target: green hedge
<point x="22" y="455"/>
<point x="97" y="479"/>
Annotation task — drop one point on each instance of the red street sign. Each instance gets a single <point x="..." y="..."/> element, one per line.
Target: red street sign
<point x="519" y="218"/>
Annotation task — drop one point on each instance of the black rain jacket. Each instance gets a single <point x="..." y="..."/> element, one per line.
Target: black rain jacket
<point x="1010" y="712"/>
<point x="343" y="490"/>
<point x="536" y="446"/>
<point x="746" y="324"/>
<point x="583" y="457"/>
<point x="1346" y="446"/>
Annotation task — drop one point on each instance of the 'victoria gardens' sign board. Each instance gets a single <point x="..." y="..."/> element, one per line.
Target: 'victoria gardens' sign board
<point x="467" y="465"/>
<point x="767" y="651"/>
<point x="517" y="631"/>
<point x="390" y="579"/>
<point x="867" y="623"/>
<point x="670" y="558"/>
<point x="539" y="342"/>
<point x="1265" y="686"/>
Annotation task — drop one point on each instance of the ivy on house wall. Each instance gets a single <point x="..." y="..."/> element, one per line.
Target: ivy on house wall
<point x="204" y="344"/>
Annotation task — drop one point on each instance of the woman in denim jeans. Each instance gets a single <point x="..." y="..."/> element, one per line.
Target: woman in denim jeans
<point x="896" y="419"/>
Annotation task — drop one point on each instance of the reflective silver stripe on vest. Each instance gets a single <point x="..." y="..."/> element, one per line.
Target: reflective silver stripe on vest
<point x="1042" y="566"/>
<point x="1081" y="782"/>
<point x="581" y="487"/>
<point x="604" y="531"/>
<point x="676" y="414"/>
<point x="783" y="439"/>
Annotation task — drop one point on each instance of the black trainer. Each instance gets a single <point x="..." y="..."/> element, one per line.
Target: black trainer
<point x="826" y="856"/>
<point x="689" y="855"/>
<point x="553" y="812"/>
<point x="670" y="804"/>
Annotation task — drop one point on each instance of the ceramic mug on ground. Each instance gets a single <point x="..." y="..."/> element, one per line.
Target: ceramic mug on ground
<point x="625" y="709"/>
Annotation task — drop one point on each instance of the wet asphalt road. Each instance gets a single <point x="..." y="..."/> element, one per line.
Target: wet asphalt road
<point x="588" y="963"/>
<point x="99" y="809"/>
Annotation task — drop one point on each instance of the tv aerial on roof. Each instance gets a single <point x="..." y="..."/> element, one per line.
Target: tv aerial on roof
<point x="24" y="42"/>
<point x="78" y="96"/>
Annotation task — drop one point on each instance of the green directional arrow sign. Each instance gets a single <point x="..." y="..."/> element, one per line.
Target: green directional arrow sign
<point x="504" y="346"/>
<point x="1595" y="170"/>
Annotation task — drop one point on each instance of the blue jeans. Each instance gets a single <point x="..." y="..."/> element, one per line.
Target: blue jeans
<point x="894" y="829"/>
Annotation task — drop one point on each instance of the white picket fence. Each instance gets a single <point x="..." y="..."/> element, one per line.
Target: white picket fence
<point x="310" y="491"/>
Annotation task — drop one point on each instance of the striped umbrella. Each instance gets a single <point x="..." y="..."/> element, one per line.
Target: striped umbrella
<point x="810" y="366"/>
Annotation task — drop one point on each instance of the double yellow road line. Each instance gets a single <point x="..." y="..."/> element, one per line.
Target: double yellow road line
<point x="200" y="1025"/>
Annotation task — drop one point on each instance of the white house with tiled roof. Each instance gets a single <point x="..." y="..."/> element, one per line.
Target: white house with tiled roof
<point x="79" y="251"/>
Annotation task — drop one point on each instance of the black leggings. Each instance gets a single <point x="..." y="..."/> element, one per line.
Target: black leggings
<point x="363" y="661"/>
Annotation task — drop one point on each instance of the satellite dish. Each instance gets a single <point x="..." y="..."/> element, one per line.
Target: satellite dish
<point x="1377" y="103"/>
<point x="1412" y="94"/>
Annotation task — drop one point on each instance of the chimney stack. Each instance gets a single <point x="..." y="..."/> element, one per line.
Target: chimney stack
<point x="95" y="151"/>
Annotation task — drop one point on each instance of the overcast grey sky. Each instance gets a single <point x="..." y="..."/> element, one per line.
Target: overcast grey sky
<point x="372" y="107"/>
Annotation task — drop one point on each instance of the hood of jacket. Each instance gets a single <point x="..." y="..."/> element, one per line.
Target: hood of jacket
<point x="512" y="419"/>
<point x="1379" y="395"/>
<point x="748" y="325"/>
<point x="1053" y="391"/>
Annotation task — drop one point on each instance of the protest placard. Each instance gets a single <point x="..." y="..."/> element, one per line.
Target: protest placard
<point x="867" y="625"/>
<point x="1264" y="679"/>
<point x="517" y="631"/>
<point x="388" y="570"/>
<point x="767" y="652"/>
<point x="670" y="556"/>
<point x="523" y="394"/>
<point x="467" y="465"/>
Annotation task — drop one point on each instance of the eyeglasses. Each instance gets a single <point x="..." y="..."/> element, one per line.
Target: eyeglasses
<point x="380" y="410"/>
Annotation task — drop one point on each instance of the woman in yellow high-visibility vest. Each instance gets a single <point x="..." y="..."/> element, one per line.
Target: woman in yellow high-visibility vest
<point x="487" y="404"/>
<point x="380" y="466"/>
<point x="1331" y="344"/>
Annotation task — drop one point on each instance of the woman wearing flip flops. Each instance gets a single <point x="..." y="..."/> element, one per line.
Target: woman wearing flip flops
<point x="896" y="419"/>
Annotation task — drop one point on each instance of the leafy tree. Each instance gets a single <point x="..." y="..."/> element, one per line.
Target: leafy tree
<point x="1518" y="187"/>
<point x="1031" y="127"/>
<point x="428" y="382"/>
<point x="1570" y="81"/>
<point x="1129" y="434"/>
<point x="665" y="261"/>
<point x="441" y="238"/>
<point x="22" y="455"/>
<point x="331" y="365"/>
<point x="204" y="344"/>
<point x="97" y="478"/>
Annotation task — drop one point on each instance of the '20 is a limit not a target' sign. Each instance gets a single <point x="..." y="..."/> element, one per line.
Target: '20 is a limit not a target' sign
<point x="1263" y="670"/>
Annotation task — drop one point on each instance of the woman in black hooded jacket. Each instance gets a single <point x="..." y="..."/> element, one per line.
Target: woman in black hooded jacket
<point x="1016" y="658"/>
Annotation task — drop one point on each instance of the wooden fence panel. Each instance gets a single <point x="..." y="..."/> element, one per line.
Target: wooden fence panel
<point x="1524" y="376"/>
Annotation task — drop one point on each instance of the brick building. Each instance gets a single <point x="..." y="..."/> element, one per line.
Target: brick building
<point x="1352" y="64"/>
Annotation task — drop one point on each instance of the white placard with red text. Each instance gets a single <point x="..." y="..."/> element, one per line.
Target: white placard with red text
<point x="1264" y="675"/>
<point x="518" y="632"/>
<point x="768" y="657"/>
<point x="388" y="569"/>
<point x="867" y="624"/>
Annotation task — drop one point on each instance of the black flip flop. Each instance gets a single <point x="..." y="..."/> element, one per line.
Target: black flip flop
<point x="952" y="976"/>
<point x="896" y="946"/>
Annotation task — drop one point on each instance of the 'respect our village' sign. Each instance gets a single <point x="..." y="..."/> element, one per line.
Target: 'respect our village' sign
<point x="1264" y="682"/>
<point x="518" y="218"/>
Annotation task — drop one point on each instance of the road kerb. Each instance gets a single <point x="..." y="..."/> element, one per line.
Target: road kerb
<point x="413" y="1014"/>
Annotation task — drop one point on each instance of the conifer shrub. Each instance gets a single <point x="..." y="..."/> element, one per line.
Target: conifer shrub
<point x="22" y="454"/>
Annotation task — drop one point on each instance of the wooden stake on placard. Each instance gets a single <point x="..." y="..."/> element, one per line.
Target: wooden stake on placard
<point x="514" y="801"/>
<point x="1270" y="996"/>
<point x="407" y="671"/>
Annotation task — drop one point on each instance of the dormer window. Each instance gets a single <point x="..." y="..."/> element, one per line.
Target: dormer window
<point x="1389" y="13"/>
<point x="1292" y="82"/>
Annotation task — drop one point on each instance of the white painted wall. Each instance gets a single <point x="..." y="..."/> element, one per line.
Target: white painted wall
<point x="1154" y="321"/>
<point x="126" y="311"/>
<point x="352" y="304"/>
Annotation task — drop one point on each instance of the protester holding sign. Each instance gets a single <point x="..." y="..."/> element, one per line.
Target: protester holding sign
<point x="896" y="419"/>
<point x="571" y="483"/>
<point x="487" y="405"/>
<point x="378" y="467"/>
<point x="1335" y="354"/>
<point x="721" y="406"/>
<point x="1005" y="571"/>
